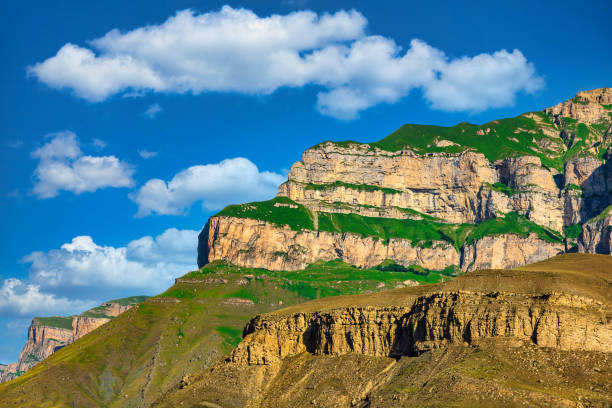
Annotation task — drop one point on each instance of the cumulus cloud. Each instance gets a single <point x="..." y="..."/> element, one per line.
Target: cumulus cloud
<point x="63" y="166"/>
<point x="153" y="110"/>
<point x="215" y="185"/>
<point x="146" y="154"/>
<point x="235" y="50"/>
<point x="147" y="264"/>
<point x="81" y="274"/>
<point x="98" y="143"/>
<point x="18" y="298"/>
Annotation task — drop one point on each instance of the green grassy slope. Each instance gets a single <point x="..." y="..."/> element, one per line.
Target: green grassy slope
<point x="61" y="322"/>
<point x="524" y="135"/>
<point x="192" y="325"/>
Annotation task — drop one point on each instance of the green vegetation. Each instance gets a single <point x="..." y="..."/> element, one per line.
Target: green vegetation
<point x="189" y="327"/>
<point x="572" y="186"/>
<point x="392" y="266"/>
<point x="60" y="322"/>
<point x="31" y="358"/>
<point x="131" y="300"/>
<point x="512" y="223"/>
<point x="424" y="232"/>
<point x="279" y="211"/>
<point x="573" y="231"/>
<point x="502" y="188"/>
<point x="499" y="139"/>
<point x="580" y="101"/>
<point x="607" y="107"/>
<point x="496" y="140"/>
<point x="231" y="335"/>
<point x="359" y="187"/>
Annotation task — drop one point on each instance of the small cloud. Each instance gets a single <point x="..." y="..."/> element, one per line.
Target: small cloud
<point x="214" y="185"/>
<point x="63" y="166"/>
<point x="13" y="193"/>
<point x="134" y="94"/>
<point x="15" y="144"/>
<point x="153" y="110"/>
<point x="100" y="144"/>
<point x="145" y="154"/>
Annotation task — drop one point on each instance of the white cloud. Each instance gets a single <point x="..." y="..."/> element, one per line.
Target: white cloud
<point x="100" y="144"/>
<point x="146" y="154"/>
<point x="81" y="274"/>
<point x="145" y="265"/>
<point x="216" y="185"/>
<point x="153" y="110"/>
<point x="18" y="298"/>
<point x="62" y="166"/>
<point x="234" y="50"/>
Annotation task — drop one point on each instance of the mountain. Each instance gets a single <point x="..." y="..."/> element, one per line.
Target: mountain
<point x="46" y="335"/>
<point x="498" y="195"/>
<point x="439" y="210"/>
<point x="131" y="360"/>
<point x="539" y="335"/>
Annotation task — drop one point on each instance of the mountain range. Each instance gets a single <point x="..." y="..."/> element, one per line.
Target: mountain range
<point x="439" y="266"/>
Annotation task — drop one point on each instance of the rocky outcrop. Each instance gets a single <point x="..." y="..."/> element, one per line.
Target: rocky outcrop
<point x="585" y="107"/>
<point x="596" y="236"/>
<point x="258" y="244"/>
<point x="507" y="251"/>
<point x="546" y="304"/>
<point x="353" y="350"/>
<point x="47" y="335"/>
<point x="426" y="323"/>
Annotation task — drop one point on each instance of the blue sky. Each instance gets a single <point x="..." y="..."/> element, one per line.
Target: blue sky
<point x="117" y="147"/>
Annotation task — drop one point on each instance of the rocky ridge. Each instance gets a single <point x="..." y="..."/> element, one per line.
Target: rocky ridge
<point x="550" y="168"/>
<point x="561" y="306"/>
<point x="46" y="335"/>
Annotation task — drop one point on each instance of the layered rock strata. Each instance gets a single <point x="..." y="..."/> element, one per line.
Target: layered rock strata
<point x="559" y="311"/>
<point x="443" y="181"/>
<point x="258" y="244"/>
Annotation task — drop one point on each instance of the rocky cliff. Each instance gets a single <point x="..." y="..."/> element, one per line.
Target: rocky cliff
<point x="562" y="306"/>
<point x="46" y="335"/>
<point x="596" y="234"/>
<point x="502" y="194"/>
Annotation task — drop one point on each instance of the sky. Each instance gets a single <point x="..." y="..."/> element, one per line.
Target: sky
<point x="125" y="125"/>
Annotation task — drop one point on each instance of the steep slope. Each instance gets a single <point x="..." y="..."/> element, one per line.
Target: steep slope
<point x="538" y="335"/>
<point x="131" y="360"/>
<point x="46" y="335"/>
<point x="502" y="194"/>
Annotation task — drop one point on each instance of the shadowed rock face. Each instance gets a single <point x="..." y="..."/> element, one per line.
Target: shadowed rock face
<point x="456" y="186"/>
<point x="596" y="236"/>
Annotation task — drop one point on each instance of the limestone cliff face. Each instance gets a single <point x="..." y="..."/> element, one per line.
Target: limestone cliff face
<point x="460" y="186"/>
<point x="507" y="251"/>
<point x="584" y="112"/>
<point x="44" y="339"/>
<point x="428" y="322"/>
<point x="258" y="244"/>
